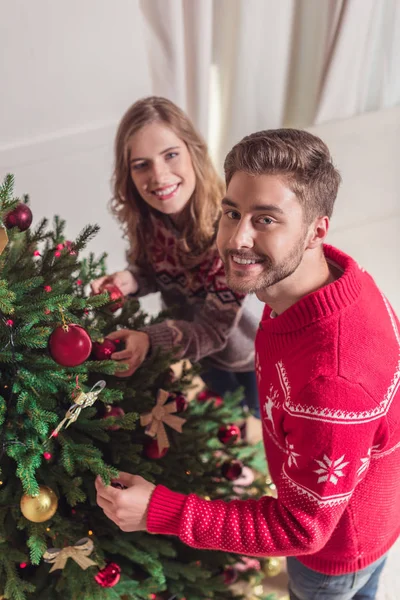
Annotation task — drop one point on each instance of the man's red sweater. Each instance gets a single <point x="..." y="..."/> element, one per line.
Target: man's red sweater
<point x="329" y="384"/>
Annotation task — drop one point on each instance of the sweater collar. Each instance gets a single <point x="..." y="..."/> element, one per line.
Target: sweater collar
<point x="322" y="303"/>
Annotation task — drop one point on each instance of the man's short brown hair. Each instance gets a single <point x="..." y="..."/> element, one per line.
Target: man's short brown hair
<point x="302" y="159"/>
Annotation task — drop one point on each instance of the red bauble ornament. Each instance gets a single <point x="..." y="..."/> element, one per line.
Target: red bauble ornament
<point x="230" y="575"/>
<point x="116" y="296"/>
<point x="47" y="455"/>
<point x="181" y="403"/>
<point x="114" y="411"/>
<point x="229" y="434"/>
<point x="71" y="346"/>
<point x="209" y="395"/>
<point x="109" y="576"/>
<point x="103" y="350"/>
<point x="20" y="217"/>
<point x="232" y="469"/>
<point x="151" y="450"/>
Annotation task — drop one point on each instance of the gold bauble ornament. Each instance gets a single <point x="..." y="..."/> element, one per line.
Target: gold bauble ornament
<point x="39" y="508"/>
<point x="271" y="567"/>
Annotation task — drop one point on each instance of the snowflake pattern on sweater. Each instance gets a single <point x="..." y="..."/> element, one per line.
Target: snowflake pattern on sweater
<point x="329" y="371"/>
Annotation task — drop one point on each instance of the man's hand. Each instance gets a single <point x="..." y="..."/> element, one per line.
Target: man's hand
<point x="124" y="280"/>
<point x="137" y="345"/>
<point x="127" y="508"/>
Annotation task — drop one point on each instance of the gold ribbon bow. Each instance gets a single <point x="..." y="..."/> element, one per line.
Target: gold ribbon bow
<point x="3" y="238"/>
<point x="161" y="413"/>
<point x="79" y="553"/>
<point x="82" y="401"/>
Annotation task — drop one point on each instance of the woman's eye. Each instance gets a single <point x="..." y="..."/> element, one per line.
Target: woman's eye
<point x="138" y="166"/>
<point x="171" y="155"/>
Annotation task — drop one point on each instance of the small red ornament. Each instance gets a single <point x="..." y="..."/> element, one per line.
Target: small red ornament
<point x="181" y="403"/>
<point x="60" y="246"/>
<point x="79" y="282"/>
<point x="47" y="455"/>
<point x="36" y="253"/>
<point x="151" y="450"/>
<point x="109" y="576"/>
<point x="70" y="346"/>
<point x="9" y="322"/>
<point x="20" y="217"/>
<point x="229" y="434"/>
<point x="230" y="575"/>
<point x="57" y="254"/>
<point x="47" y="288"/>
<point x="232" y="469"/>
<point x="47" y="311"/>
<point x="103" y="350"/>
<point x="206" y="395"/>
<point x="116" y="296"/>
<point x="114" y="411"/>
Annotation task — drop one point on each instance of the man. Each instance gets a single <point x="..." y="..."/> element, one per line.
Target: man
<point x="327" y="361"/>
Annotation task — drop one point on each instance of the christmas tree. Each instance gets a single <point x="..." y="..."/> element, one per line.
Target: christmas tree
<point x="65" y="418"/>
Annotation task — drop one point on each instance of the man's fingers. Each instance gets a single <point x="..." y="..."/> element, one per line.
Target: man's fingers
<point x="126" y="479"/>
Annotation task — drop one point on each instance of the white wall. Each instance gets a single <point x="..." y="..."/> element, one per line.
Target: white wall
<point x="366" y="220"/>
<point x="68" y="70"/>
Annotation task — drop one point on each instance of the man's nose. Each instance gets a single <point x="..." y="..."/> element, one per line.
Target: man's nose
<point x="242" y="237"/>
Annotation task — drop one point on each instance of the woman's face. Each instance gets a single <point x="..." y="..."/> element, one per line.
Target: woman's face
<point x="161" y="168"/>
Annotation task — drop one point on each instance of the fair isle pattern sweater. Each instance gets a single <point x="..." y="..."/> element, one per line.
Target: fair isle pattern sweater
<point x="213" y="321"/>
<point x="329" y="385"/>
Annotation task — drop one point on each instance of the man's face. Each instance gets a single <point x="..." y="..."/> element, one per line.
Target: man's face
<point x="262" y="234"/>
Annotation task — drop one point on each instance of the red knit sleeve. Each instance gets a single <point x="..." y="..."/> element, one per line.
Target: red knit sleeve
<point x="328" y="452"/>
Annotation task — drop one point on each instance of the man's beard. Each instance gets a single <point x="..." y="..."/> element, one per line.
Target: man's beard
<point x="271" y="274"/>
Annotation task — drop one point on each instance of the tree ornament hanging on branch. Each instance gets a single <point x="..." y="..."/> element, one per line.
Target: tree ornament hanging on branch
<point x="69" y="345"/>
<point x="20" y="217"/>
<point x="39" y="508"/>
<point x="83" y="400"/>
<point x="161" y="413"/>
<point x="79" y="553"/>
<point x="109" y="576"/>
<point x="229" y="434"/>
<point x="102" y="350"/>
<point x="116" y="296"/>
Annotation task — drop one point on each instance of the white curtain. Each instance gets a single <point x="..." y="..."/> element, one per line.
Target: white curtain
<point x="363" y="72"/>
<point x="179" y="41"/>
<point x="238" y="66"/>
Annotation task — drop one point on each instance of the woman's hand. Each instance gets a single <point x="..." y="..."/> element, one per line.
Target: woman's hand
<point x="124" y="280"/>
<point x="137" y="345"/>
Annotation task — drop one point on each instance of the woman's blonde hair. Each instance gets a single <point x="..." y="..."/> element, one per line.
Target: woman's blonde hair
<point x="203" y="208"/>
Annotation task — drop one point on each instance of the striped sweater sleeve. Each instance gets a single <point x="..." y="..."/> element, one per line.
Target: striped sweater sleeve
<point x="146" y="281"/>
<point x="212" y="324"/>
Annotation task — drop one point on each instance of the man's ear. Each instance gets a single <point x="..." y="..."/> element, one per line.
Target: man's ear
<point x="318" y="231"/>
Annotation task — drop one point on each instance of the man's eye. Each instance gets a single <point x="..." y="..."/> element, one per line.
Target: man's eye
<point x="232" y="214"/>
<point x="265" y="221"/>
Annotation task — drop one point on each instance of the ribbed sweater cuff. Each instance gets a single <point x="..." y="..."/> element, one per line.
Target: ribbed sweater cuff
<point x="160" y="335"/>
<point x="165" y="511"/>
